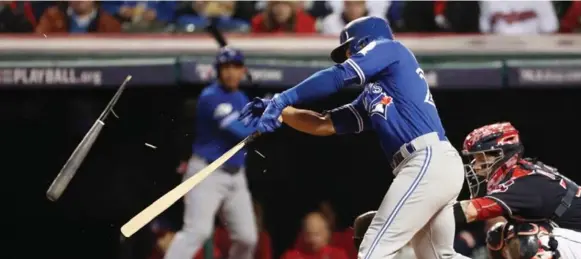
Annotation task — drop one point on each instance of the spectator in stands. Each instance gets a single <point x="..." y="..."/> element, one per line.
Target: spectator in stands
<point x="571" y="20"/>
<point x="517" y="17"/>
<point x="196" y="15"/>
<point x="340" y="238"/>
<point x="418" y="16"/>
<point x="77" y="17"/>
<point x="376" y="8"/>
<point x="16" y="17"/>
<point x="140" y="16"/>
<point x="334" y="23"/>
<point x="457" y="16"/>
<point x="283" y="16"/>
<point x="316" y="235"/>
<point x="317" y="9"/>
<point x="38" y="7"/>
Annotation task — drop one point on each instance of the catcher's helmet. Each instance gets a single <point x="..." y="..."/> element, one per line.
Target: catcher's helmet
<point x="358" y="33"/>
<point x="500" y="141"/>
<point x="227" y="55"/>
<point x="521" y="240"/>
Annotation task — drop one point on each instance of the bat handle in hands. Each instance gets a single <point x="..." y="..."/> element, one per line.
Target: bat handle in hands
<point x="257" y="133"/>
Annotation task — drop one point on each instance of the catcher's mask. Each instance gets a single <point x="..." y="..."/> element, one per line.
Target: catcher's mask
<point x="491" y="150"/>
<point x="521" y="241"/>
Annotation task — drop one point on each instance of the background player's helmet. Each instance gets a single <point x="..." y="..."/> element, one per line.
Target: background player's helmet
<point x="227" y="55"/>
<point x="499" y="140"/>
<point x="520" y="241"/>
<point x="358" y="33"/>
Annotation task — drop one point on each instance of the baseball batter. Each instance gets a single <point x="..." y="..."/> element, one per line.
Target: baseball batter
<point x="395" y="102"/>
<point x="218" y="130"/>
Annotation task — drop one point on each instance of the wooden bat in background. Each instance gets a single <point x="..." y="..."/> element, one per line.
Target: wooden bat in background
<point x="221" y="40"/>
<point x="70" y="168"/>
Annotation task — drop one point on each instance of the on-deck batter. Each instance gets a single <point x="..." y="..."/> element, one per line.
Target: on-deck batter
<point x="395" y="102"/>
<point x="218" y="130"/>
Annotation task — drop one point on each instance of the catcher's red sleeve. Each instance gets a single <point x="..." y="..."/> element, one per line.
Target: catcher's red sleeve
<point x="487" y="208"/>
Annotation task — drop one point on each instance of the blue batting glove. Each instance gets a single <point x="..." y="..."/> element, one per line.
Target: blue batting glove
<point x="269" y="121"/>
<point x="252" y="111"/>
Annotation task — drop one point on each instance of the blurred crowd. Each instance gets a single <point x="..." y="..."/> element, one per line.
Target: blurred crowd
<point x="325" y="17"/>
<point x="319" y="237"/>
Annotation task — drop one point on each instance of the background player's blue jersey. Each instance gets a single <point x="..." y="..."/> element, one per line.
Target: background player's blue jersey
<point x="396" y="101"/>
<point x="217" y="126"/>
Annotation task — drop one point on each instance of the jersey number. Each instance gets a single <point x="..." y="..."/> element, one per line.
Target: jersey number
<point x="429" y="99"/>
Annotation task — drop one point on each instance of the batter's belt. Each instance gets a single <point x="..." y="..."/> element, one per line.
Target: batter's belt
<point x="416" y="144"/>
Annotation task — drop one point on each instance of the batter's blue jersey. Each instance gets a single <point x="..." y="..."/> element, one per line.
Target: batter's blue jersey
<point x="217" y="126"/>
<point x="396" y="101"/>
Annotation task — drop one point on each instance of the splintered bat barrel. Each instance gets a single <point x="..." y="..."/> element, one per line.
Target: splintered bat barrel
<point x="165" y="201"/>
<point x="70" y="168"/>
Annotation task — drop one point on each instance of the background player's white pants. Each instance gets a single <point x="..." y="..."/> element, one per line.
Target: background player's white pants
<point x="418" y="205"/>
<point x="219" y="190"/>
<point x="569" y="243"/>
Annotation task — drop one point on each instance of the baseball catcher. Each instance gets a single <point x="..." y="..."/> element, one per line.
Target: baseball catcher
<point x="503" y="183"/>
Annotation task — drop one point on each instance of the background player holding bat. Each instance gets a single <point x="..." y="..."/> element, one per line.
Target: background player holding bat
<point x="504" y="184"/>
<point x="397" y="104"/>
<point x="218" y="130"/>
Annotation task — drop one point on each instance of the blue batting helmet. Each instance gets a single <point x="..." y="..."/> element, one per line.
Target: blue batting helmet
<point x="228" y="55"/>
<point x="358" y="33"/>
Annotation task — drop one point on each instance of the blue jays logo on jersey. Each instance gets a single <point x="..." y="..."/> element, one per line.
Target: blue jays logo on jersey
<point x="376" y="100"/>
<point x="379" y="105"/>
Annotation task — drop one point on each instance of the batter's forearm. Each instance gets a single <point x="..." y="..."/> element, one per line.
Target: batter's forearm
<point x="309" y="122"/>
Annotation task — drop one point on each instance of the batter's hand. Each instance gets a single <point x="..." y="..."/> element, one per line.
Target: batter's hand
<point x="252" y="111"/>
<point x="270" y="121"/>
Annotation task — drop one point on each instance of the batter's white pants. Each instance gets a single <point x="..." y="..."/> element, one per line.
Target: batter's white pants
<point x="569" y="243"/>
<point x="219" y="190"/>
<point x="418" y="205"/>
